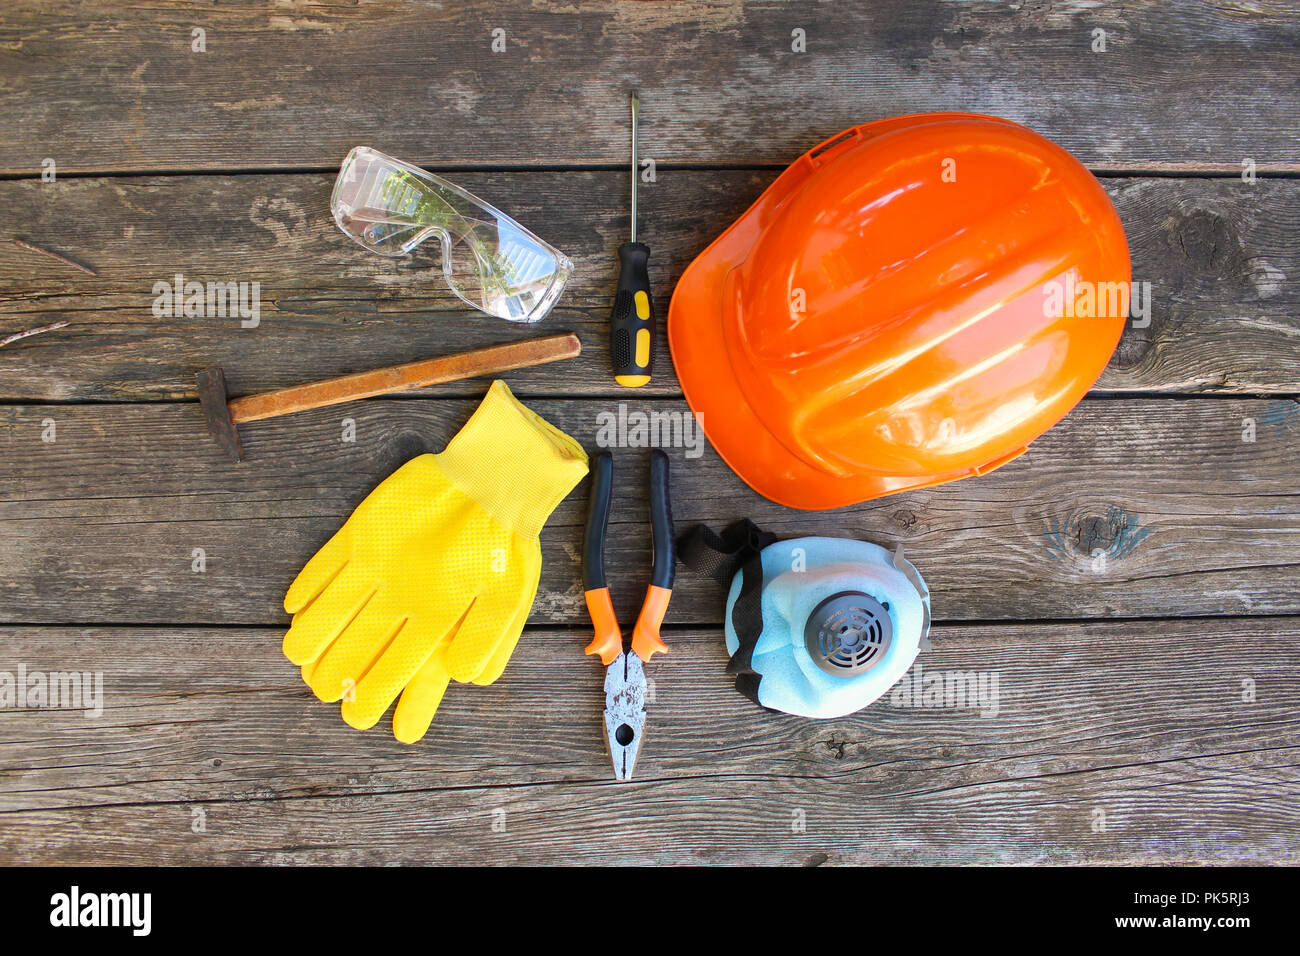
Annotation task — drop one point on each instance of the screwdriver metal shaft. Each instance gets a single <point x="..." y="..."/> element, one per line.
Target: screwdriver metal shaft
<point x="636" y="108"/>
<point x="632" y="321"/>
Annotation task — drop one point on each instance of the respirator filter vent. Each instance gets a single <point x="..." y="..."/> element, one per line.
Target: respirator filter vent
<point x="848" y="633"/>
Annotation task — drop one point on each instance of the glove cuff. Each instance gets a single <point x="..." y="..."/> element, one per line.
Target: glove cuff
<point x="513" y="462"/>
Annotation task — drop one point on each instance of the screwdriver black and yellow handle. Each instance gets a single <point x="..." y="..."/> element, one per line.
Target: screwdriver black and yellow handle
<point x="632" y="323"/>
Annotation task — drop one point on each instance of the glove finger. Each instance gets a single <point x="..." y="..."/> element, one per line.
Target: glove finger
<point x="307" y="670"/>
<point x="419" y="702"/>
<point x="325" y="618"/>
<point x="507" y="647"/>
<point x="489" y="622"/>
<point x="341" y="668"/>
<point x="394" y="669"/>
<point x="324" y="566"/>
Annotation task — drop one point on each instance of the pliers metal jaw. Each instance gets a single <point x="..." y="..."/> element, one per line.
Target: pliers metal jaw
<point x="625" y="693"/>
<point x="625" y="682"/>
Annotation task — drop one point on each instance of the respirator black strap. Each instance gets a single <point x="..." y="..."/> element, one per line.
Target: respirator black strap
<point x="738" y="548"/>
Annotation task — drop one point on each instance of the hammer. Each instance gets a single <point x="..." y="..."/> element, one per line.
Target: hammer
<point x="223" y="413"/>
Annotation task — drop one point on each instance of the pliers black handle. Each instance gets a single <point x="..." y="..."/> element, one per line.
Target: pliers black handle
<point x="646" y="640"/>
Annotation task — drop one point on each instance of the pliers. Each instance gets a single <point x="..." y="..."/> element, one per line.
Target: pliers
<point x="625" y="683"/>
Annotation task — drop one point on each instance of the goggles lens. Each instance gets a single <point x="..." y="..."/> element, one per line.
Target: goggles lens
<point x="490" y="261"/>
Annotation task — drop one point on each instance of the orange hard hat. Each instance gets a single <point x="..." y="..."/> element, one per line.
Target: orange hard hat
<point x="911" y="302"/>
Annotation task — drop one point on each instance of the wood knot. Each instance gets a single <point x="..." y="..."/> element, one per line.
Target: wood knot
<point x="1114" y="533"/>
<point x="405" y="446"/>
<point x="905" y="519"/>
<point x="1209" y="243"/>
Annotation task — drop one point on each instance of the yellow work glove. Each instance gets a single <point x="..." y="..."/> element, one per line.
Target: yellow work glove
<point x="433" y="575"/>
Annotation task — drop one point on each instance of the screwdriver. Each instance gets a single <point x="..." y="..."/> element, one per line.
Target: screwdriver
<point x="632" y="323"/>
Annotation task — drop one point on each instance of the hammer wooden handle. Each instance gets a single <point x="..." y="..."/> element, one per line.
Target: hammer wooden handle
<point x="401" y="378"/>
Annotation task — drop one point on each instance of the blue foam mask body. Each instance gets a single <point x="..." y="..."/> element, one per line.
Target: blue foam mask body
<point x="870" y="611"/>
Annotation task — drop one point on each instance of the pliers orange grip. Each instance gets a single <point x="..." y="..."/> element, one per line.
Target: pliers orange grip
<point x="646" y="640"/>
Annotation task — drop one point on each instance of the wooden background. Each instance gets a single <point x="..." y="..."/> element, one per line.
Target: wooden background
<point x="1133" y="581"/>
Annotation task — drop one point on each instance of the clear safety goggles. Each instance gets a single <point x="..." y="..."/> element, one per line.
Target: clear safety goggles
<point x="489" y="260"/>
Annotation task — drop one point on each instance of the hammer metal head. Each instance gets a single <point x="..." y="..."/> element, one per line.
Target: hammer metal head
<point x="216" y="412"/>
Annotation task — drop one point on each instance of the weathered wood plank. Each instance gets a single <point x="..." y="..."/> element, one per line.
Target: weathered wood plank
<point x="116" y="86"/>
<point x="1218" y="255"/>
<point x="1129" y="507"/>
<point x="1169" y="740"/>
<point x="1109" y="743"/>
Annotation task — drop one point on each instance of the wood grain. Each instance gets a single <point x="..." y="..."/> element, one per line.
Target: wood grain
<point x="1217" y="255"/>
<point x="1111" y="743"/>
<point x="1129" y="507"/>
<point x="1197" y="85"/>
<point x="1132" y="582"/>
